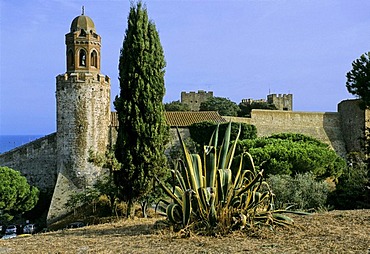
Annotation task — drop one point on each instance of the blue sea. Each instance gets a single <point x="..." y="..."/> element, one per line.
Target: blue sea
<point x="8" y="142"/>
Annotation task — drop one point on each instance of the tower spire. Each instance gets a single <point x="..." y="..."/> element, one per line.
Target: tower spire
<point x="83" y="10"/>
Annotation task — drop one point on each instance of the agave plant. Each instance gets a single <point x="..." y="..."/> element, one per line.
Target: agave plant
<point x="218" y="191"/>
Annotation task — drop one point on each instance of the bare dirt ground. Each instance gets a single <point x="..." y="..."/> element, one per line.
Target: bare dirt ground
<point x="328" y="232"/>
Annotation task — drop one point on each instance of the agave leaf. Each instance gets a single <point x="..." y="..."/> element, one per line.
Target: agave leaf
<point x="210" y="167"/>
<point x="224" y="148"/>
<point x="230" y="155"/>
<point x="178" y="174"/>
<point x="227" y="185"/>
<point x="178" y="192"/>
<point x="197" y="165"/>
<point x="214" y="138"/>
<point x="170" y="193"/>
<point x="292" y="212"/>
<point x="174" y="214"/>
<point x="237" y="175"/>
<point x="282" y="217"/>
<point x="250" y="163"/>
<point x="212" y="217"/>
<point x="204" y="198"/>
<point x="185" y="174"/>
<point x="250" y="184"/>
<point x="188" y="163"/>
<point x="161" y="209"/>
<point x="186" y="208"/>
<point x="219" y="191"/>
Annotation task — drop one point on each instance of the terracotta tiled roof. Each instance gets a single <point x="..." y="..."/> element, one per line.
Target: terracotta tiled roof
<point x="183" y="118"/>
<point x="186" y="118"/>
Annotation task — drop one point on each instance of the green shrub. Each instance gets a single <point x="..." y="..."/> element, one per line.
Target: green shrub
<point x="303" y="191"/>
<point x="292" y="154"/>
<point x="353" y="189"/>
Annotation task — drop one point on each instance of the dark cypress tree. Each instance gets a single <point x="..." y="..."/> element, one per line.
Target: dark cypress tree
<point x="142" y="132"/>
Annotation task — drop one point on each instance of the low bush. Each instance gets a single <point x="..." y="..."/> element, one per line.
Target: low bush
<point x="353" y="189"/>
<point x="291" y="154"/>
<point x="303" y="191"/>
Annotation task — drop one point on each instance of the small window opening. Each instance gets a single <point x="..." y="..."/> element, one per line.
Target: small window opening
<point x="82" y="57"/>
<point x="83" y="33"/>
<point x="70" y="59"/>
<point x="94" y="59"/>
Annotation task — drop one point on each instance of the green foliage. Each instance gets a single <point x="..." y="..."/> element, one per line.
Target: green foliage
<point x="89" y="196"/>
<point x="224" y="106"/>
<point x="103" y="187"/>
<point x="291" y="154"/>
<point x="201" y="132"/>
<point x="176" y="106"/>
<point x="353" y="187"/>
<point x="302" y="191"/>
<point x="142" y="132"/>
<point x="246" y="108"/>
<point x="358" y="79"/>
<point x="210" y="196"/>
<point x="16" y="195"/>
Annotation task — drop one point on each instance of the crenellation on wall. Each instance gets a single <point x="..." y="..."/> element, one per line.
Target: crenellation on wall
<point x="194" y="99"/>
<point x="80" y="77"/>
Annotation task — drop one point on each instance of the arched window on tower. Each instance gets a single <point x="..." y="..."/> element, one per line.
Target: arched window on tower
<point x="94" y="59"/>
<point x="70" y="59"/>
<point x="82" y="57"/>
<point x="82" y="33"/>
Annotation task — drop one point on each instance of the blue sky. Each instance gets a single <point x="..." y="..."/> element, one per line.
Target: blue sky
<point x="237" y="49"/>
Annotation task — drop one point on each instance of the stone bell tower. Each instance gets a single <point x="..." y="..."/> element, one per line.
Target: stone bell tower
<point x="83" y="114"/>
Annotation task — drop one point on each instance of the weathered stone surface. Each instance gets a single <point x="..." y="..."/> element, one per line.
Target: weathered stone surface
<point x="37" y="161"/>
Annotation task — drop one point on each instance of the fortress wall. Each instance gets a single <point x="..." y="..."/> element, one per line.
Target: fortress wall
<point x="235" y="119"/>
<point x="323" y="126"/>
<point x="353" y="122"/>
<point x="36" y="161"/>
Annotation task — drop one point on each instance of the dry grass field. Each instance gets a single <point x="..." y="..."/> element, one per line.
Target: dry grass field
<point x="327" y="232"/>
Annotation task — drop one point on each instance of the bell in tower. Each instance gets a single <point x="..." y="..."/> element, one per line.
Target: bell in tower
<point x="83" y="46"/>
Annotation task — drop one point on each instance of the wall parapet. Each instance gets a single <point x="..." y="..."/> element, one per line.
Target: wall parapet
<point x="83" y="77"/>
<point x="324" y="126"/>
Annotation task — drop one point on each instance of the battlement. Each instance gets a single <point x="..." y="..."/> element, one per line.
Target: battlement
<point x="281" y="101"/>
<point x="194" y="99"/>
<point x="250" y="101"/>
<point x="280" y="95"/>
<point x="83" y="77"/>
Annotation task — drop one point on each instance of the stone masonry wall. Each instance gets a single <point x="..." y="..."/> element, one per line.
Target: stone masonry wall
<point x="83" y="117"/>
<point x="36" y="161"/>
<point x="353" y="122"/>
<point x="323" y="126"/>
<point x="194" y="99"/>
